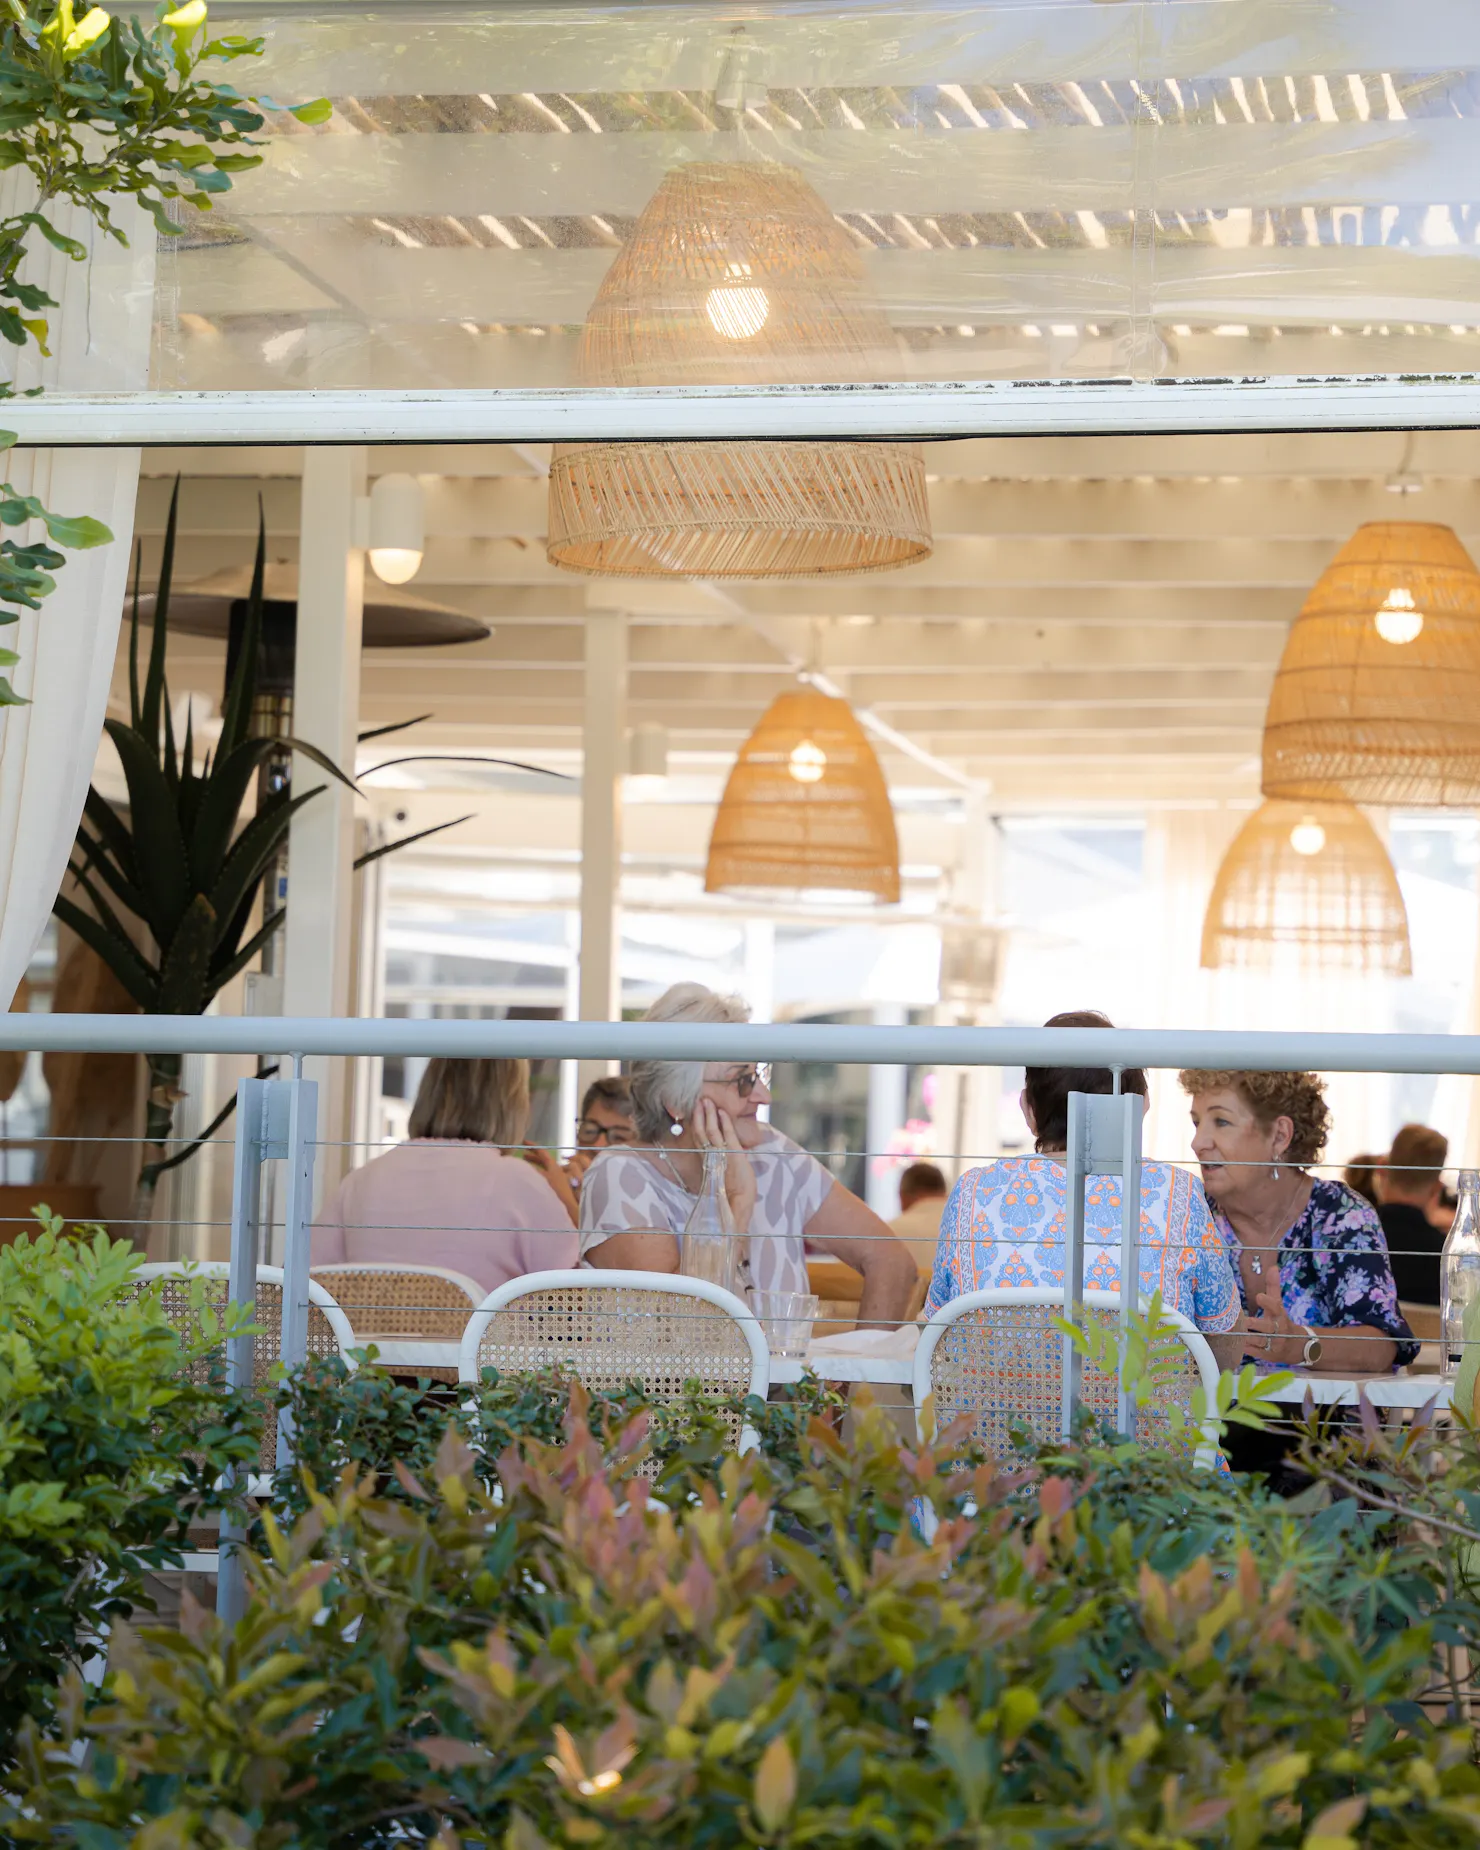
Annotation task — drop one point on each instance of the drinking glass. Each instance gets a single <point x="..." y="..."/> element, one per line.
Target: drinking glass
<point x="787" y="1318"/>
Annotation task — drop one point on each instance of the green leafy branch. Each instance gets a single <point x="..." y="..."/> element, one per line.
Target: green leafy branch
<point x="96" y="109"/>
<point x="1152" y="1359"/>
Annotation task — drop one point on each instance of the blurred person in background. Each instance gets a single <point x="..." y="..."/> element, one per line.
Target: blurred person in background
<point x="1004" y="1224"/>
<point x="459" y="1194"/>
<point x="1360" y="1176"/>
<point x="636" y="1201"/>
<point x="1409" y="1181"/>
<point x="922" y="1201"/>
<point x="605" y="1123"/>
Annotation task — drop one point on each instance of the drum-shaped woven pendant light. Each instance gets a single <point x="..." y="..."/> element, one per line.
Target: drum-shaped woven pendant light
<point x="805" y="806"/>
<point x="736" y="273"/>
<point x="1377" y="699"/>
<point x="1308" y="885"/>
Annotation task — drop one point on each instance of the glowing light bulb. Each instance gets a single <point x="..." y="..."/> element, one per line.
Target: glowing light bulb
<point x="1307" y="836"/>
<point x="807" y="762"/>
<point x="1396" y="619"/>
<point x="394" y="565"/>
<point x="737" y="309"/>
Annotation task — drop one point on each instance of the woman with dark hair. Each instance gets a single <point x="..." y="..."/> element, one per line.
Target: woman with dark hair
<point x="1311" y="1257"/>
<point x="1004" y="1224"/>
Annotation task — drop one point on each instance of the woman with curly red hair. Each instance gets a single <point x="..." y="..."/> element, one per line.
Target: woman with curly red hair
<point x="1309" y="1255"/>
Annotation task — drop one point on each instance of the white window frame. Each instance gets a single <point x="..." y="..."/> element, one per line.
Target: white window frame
<point x="1018" y="408"/>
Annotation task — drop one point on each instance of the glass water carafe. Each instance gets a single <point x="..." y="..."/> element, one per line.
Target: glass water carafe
<point x="1459" y="1270"/>
<point x="709" y="1247"/>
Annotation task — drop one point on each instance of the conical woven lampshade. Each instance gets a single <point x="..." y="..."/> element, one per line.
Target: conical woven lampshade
<point x="736" y="273"/>
<point x="1336" y="906"/>
<point x="1377" y="699"/>
<point x="805" y="805"/>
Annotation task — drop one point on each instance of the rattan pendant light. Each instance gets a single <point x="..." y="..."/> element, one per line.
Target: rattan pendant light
<point x="1309" y="885"/>
<point x="736" y="273"/>
<point x="1377" y="699"/>
<point x="805" y="806"/>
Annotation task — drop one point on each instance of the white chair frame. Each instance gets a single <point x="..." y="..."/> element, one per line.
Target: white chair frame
<point x="344" y="1336"/>
<point x="1028" y="1296"/>
<point x="586" y="1278"/>
<point x="474" y="1290"/>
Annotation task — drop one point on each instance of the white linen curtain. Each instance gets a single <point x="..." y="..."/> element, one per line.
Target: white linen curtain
<point x="99" y="341"/>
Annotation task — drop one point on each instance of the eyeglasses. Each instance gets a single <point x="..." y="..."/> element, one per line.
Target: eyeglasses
<point x="746" y="1083"/>
<point x="589" y="1132"/>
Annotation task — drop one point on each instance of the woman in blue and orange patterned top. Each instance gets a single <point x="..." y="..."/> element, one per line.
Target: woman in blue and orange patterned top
<point x="1004" y="1223"/>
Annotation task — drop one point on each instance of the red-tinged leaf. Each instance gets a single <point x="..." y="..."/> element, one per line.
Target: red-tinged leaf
<point x="409" y="1484"/>
<point x="1332" y="1830"/>
<point x="1055" y="1497"/>
<point x="446" y="1754"/>
<point x="1203" y="1817"/>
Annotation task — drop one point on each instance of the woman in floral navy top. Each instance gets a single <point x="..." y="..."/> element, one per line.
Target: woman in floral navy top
<point x="1310" y="1256"/>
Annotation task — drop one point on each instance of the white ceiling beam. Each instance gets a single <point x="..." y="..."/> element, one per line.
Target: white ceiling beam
<point x="543" y="49"/>
<point x="1319" y="284"/>
<point x="1026" y="562"/>
<point x="899" y="654"/>
<point x="491" y="508"/>
<point x="911" y="700"/>
<point x="726" y="721"/>
<point x="918" y="171"/>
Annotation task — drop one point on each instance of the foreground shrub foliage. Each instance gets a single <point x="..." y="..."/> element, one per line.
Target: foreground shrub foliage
<point x="108" y="1451"/>
<point x="1102" y="1650"/>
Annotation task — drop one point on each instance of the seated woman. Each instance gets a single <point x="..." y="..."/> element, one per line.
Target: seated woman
<point x="635" y="1201"/>
<point x="1004" y="1224"/>
<point x="451" y="1197"/>
<point x="1310" y="1256"/>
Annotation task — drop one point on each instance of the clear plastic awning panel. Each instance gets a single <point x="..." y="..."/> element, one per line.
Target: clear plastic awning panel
<point x="1182" y="189"/>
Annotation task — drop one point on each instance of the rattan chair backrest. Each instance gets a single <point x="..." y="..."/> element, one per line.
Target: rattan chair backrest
<point x="995" y="1357"/>
<point x="329" y="1332"/>
<point x="402" y="1301"/>
<point x="612" y="1328"/>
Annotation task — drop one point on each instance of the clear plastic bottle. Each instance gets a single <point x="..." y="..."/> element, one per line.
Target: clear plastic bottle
<point x="1459" y="1269"/>
<point x="709" y="1246"/>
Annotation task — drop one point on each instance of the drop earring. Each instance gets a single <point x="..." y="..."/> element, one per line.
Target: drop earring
<point x="675" y="1130"/>
<point x="1274" y="1173"/>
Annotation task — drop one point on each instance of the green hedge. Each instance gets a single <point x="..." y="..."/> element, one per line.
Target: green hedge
<point x="107" y="1453"/>
<point x="1102" y="1651"/>
<point x="601" y="1628"/>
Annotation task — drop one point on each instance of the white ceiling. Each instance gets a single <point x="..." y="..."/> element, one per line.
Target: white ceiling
<point x="1098" y="625"/>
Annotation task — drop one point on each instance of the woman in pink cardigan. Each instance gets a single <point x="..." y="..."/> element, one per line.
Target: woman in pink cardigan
<point x="460" y="1194"/>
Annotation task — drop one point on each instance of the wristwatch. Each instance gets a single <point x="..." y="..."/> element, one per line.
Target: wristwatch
<point x="1313" y="1347"/>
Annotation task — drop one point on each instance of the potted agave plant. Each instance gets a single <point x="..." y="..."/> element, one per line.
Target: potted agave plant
<point x="172" y="880"/>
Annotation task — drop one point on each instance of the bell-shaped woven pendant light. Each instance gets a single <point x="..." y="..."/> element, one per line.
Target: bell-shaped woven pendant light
<point x="1377" y="699"/>
<point x="805" y="806"/>
<point x="1307" y="885"/>
<point x="736" y="273"/>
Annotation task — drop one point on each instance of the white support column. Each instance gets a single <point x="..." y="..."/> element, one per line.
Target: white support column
<point x="326" y="712"/>
<point x="887" y="1103"/>
<point x="602" y="749"/>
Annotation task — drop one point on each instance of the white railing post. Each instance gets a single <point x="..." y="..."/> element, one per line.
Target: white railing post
<point x="276" y="1120"/>
<point x="302" y="1100"/>
<point x="241" y="1290"/>
<point x="1104" y="1140"/>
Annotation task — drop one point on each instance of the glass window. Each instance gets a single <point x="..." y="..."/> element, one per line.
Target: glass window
<point x="985" y="192"/>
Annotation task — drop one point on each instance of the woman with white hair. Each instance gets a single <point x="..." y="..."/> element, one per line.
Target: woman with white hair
<point x="636" y="1201"/>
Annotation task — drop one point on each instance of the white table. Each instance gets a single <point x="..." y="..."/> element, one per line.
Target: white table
<point x="887" y="1359"/>
<point x="1381" y="1390"/>
<point x="408" y="1352"/>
